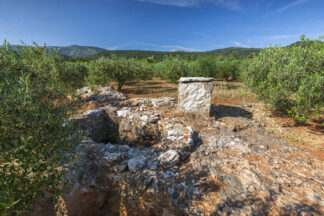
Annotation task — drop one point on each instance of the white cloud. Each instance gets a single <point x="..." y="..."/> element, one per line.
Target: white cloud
<point x="171" y="47"/>
<point x="276" y="37"/>
<point x="178" y="48"/>
<point x="119" y="46"/>
<point x="150" y="45"/>
<point x="238" y="44"/>
<point x="292" y="4"/>
<point x="230" y="4"/>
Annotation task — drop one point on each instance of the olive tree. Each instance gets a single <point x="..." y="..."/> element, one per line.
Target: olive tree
<point x="289" y="79"/>
<point x="33" y="142"/>
<point x="118" y="69"/>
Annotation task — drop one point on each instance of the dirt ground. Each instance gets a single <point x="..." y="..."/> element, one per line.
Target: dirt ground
<point x="308" y="136"/>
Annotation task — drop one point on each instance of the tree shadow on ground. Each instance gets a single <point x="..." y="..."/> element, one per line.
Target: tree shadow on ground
<point x="137" y="83"/>
<point x="220" y="111"/>
<point x="315" y="125"/>
<point x="150" y="90"/>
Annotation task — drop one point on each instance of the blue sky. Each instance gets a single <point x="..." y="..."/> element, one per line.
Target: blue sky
<point x="160" y="24"/>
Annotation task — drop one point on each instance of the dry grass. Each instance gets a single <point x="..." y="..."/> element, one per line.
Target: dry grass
<point x="231" y="93"/>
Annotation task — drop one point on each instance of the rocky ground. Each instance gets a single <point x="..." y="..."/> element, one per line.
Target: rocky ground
<point x="143" y="157"/>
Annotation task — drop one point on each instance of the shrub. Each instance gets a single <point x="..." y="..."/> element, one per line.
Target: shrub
<point x="33" y="142"/>
<point x="73" y="75"/>
<point x="207" y="66"/>
<point x="144" y="70"/>
<point x="309" y="97"/>
<point x="99" y="71"/>
<point x="120" y="70"/>
<point x="217" y="67"/>
<point x="228" y="69"/>
<point x="289" y="79"/>
<point x="171" y="68"/>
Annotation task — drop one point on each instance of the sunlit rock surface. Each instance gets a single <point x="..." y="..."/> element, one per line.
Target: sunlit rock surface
<point x="165" y="164"/>
<point x="194" y="94"/>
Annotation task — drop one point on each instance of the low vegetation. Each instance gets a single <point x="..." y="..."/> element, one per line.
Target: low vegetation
<point x="103" y="70"/>
<point x="289" y="79"/>
<point x="33" y="143"/>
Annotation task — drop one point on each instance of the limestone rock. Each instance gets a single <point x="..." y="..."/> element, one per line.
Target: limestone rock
<point x="122" y="113"/>
<point x="169" y="159"/>
<point x="151" y="102"/>
<point x="153" y="119"/>
<point x="195" y="95"/>
<point x="136" y="128"/>
<point x="195" y="79"/>
<point x="113" y="157"/>
<point x="100" y="92"/>
<point x="230" y="166"/>
<point x="229" y="173"/>
<point x="101" y="95"/>
<point x="95" y="124"/>
<point x="137" y="164"/>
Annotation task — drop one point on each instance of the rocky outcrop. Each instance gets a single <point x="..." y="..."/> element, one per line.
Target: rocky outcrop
<point x="166" y="164"/>
<point x="151" y="102"/>
<point x="100" y="92"/>
<point x="101" y="95"/>
<point x="104" y="170"/>
<point x="138" y="128"/>
<point x="96" y="124"/>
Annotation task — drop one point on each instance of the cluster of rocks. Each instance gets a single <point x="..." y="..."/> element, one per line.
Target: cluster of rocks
<point x="145" y="149"/>
<point x="137" y="162"/>
<point x="102" y="95"/>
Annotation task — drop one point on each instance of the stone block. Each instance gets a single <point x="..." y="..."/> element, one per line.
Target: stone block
<point x="194" y="94"/>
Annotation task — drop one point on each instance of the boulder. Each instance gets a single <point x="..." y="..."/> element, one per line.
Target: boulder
<point x="100" y="92"/>
<point x="138" y="129"/>
<point x="97" y="125"/>
<point x="242" y="172"/>
<point x="137" y="164"/>
<point x="151" y="102"/>
<point x="101" y="95"/>
<point x="169" y="159"/>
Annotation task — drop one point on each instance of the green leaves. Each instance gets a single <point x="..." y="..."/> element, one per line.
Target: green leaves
<point x="32" y="140"/>
<point x="121" y="70"/>
<point x="289" y="79"/>
<point x="73" y="75"/>
<point x="171" y="68"/>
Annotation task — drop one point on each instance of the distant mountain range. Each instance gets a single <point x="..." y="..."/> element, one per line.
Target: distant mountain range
<point x="76" y="51"/>
<point x="89" y="52"/>
<point x="160" y="54"/>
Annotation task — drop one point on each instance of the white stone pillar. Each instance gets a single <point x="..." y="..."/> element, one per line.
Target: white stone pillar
<point x="194" y="94"/>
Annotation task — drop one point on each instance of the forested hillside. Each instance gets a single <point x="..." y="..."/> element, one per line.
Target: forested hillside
<point x="160" y="54"/>
<point x="76" y="51"/>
